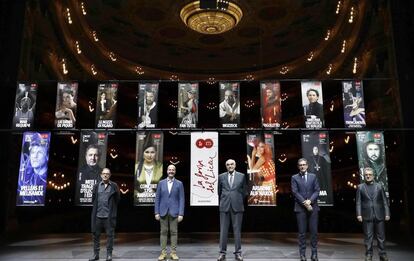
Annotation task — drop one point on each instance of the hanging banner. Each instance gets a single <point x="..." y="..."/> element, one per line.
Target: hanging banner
<point x="25" y="105"/>
<point x="147" y="105"/>
<point x="371" y="153"/>
<point x="66" y="105"/>
<point x="315" y="149"/>
<point x="312" y="102"/>
<point x="148" y="167"/>
<point x="92" y="159"/>
<point x="31" y="186"/>
<point x="229" y="107"/>
<point x="354" y="107"/>
<point x="204" y="169"/>
<point x="261" y="170"/>
<point x="187" y="105"/>
<point x="271" y="106"/>
<point x="106" y="105"/>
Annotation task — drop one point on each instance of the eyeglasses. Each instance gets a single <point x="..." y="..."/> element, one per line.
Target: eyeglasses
<point x="302" y="164"/>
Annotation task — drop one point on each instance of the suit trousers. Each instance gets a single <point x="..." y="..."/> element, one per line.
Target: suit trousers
<point x="236" y="220"/>
<point x="369" y="227"/>
<point x="103" y="223"/>
<point x="168" y="223"/>
<point x="303" y="219"/>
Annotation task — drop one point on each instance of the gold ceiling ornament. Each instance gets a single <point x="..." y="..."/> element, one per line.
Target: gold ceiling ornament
<point x="211" y="21"/>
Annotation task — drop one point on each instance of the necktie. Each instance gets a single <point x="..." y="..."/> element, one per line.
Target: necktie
<point x="231" y="180"/>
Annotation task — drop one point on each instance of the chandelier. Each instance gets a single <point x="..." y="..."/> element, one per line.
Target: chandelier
<point x="211" y="21"/>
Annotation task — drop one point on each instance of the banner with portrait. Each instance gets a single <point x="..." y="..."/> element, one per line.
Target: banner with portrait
<point x="371" y="154"/>
<point x="92" y="159"/>
<point x="271" y="106"/>
<point x="66" y="105"/>
<point x="187" y="112"/>
<point x="353" y="101"/>
<point x="31" y="185"/>
<point x="106" y="105"/>
<point x="204" y="169"/>
<point x="148" y="167"/>
<point x="24" y="105"/>
<point x="148" y="105"/>
<point x="312" y="102"/>
<point x="261" y="170"/>
<point x="315" y="149"/>
<point x="229" y="107"/>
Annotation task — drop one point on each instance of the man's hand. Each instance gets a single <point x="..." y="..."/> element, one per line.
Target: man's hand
<point x="180" y="218"/>
<point x="359" y="218"/>
<point x="387" y="218"/>
<point x="157" y="217"/>
<point x="308" y="202"/>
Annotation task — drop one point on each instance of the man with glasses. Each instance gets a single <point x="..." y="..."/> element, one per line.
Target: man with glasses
<point x="105" y="198"/>
<point x="372" y="210"/>
<point x="305" y="189"/>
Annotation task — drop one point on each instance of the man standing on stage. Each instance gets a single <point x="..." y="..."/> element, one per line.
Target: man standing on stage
<point x="169" y="210"/>
<point x="372" y="209"/>
<point x="105" y="198"/>
<point x="232" y="189"/>
<point x="305" y="189"/>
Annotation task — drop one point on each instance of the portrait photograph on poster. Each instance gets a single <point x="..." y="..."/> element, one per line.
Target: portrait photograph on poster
<point x="187" y="111"/>
<point x="106" y="105"/>
<point x="271" y="106"/>
<point x="148" y="105"/>
<point x="66" y="105"/>
<point x="312" y="102"/>
<point x="25" y="105"/>
<point x="229" y="107"/>
<point x="353" y="101"/>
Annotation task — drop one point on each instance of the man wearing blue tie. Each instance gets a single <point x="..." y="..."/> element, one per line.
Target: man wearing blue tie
<point x="305" y="189"/>
<point x="169" y="210"/>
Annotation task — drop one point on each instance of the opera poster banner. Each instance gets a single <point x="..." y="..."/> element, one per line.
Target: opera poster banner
<point x="106" y="105"/>
<point x="148" y="105"/>
<point x="66" y="105"/>
<point x="204" y="169"/>
<point x="187" y="105"/>
<point x="229" y="107"/>
<point x="92" y="159"/>
<point x="25" y="105"/>
<point x="315" y="149"/>
<point x="148" y="167"/>
<point x="261" y="170"/>
<point x="271" y="106"/>
<point x="353" y="101"/>
<point x="371" y="153"/>
<point x="312" y="102"/>
<point x="31" y="186"/>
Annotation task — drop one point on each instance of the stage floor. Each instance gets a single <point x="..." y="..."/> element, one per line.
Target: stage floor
<point x="197" y="246"/>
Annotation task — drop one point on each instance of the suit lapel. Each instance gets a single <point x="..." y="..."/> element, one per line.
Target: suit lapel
<point x="366" y="191"/>
<point x="227" y="180"/>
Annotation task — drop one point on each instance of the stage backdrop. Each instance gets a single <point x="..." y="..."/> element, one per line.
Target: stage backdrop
<point x="371" y="153"/>
<point x="229" y="107"/>
<point x="204" y="169"/>
<point x="353" y="101"/>
<point x="312" y="102"/>
<point x="148" y="167"/>
<point x="106" y="105"/>
<point x="25" y="105"/>
<point x="31" y="186"/>
<point x="187" y="111"/>
<point x="66" y="105"/>
<point x="92" y="159"/>
<point x="315" y="149"/>
<point x="271" y="104"/>
<point x="261" y="170"/>
<point x="148" y="105"/>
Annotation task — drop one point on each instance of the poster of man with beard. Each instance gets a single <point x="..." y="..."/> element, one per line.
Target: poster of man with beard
<point x="371" y="153"/>
<point x="92" y="159"/>
<point x="148" y="105"/>
<point x="353" y="101"/>
<point x="229" y="107"/>
<point x="25" y="105"/>
<point x="187" y="112"/>
<point x="312" y="102"/>
<point x="106" y="105"/>
<point x="271" y="104"/>
<point x="315" y="149"/>
<point x="148" y="167"/>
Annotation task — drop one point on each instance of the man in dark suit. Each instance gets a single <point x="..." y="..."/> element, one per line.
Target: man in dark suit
<point x="232" y="189"/>
<point x="372" y="209"/>
<point x="169" y="210"/>
<point x="105" y="198"/>
<point x="305" y="189"/>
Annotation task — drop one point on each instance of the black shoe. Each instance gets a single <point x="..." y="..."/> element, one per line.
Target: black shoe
<point x="302" y="258"/>
<point x="383" y="258"/>
<point x="314" y="258"/>
<point x="94" y="257"/>
<point x="238" y="257"/>
<point x="368" y="258"/>
<point x="221" y="257"/>
<point x="109" y="256"/>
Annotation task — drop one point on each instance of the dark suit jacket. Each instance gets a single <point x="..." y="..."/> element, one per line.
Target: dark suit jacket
<point x="314" y="109"/>
<point x="169" y="203"/>
<point x="368" y="207"/>
<point x="113" y="204"/>
<point x="232" y="197"/>
<point x="305" y="190"/>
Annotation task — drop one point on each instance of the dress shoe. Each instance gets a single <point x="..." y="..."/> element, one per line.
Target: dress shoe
<point x="221" y="257"/>
<point x="314" y="258"/>
<point x="238" y="257"/>
<point x="383" y="258"/>
<point x="173" y="256"/>
<point x="302" y="258"/>
<point x="109" y="256"/>
<point x="94" y="257"/>
<point x="162" y="256"/>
